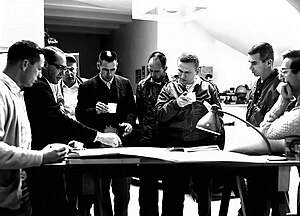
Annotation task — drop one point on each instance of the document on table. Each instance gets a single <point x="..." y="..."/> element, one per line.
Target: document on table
<point x="178" y="155"/>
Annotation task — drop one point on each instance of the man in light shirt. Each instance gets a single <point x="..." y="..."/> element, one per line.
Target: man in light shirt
<point x="24" y="64"/>
<point x="68" y="87"/>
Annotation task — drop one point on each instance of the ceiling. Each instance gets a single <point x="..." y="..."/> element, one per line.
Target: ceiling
<point x="239" y="24"/>
<point x="87" y="16"/>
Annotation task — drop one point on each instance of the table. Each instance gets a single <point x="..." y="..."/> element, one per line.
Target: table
<point x="132" y="160"/>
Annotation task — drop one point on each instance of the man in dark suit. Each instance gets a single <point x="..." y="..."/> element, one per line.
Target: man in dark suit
<point x="49" y="124"/>
<point x="106" y="103"/>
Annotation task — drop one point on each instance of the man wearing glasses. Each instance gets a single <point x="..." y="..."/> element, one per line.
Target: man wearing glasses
<point x="48" y="125"/>
<point x="68" y="87"/>
<point x="283" y="120"/>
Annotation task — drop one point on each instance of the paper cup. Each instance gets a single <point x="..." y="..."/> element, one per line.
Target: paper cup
<point x="192" y="96"/>
<point x="112" y="107"/>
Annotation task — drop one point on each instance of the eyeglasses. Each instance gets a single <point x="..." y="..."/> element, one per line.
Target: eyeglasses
<point x="62" y="68"/>
<point x="71" y="70"/>
<point x="285" y="70"/>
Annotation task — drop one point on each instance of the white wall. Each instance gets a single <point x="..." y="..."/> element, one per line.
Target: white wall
<point x="20" y="19"/>
<point x="230" y="67"/>
<point x="134" y="43"/>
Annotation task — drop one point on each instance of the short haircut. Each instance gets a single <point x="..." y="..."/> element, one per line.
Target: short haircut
<point x="162" y="58"/>
<point x="294" y="55"/>
<point x="50" y="53"/>
<point x="208" y="76"/>
<point x="108" y="56"/>
<point x="188" y="57"/>
<point x="264" y="49"/>
<point x="70" y="58"/>
<point x="24" y="49"/>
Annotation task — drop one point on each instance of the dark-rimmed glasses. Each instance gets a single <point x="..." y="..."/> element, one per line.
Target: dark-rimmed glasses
<point x="62" y="68"/>
<point x="285" y="70"/>
<point x="72" y="70"/>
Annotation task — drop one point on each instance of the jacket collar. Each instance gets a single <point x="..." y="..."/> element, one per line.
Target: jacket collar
<point x="11" y="84"/>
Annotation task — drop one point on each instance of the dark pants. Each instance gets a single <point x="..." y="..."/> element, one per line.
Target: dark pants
<point x="120" y="188"/>
<point x="175" y="185"/>
<point x="262" y="192"/>
<point x="148" y="195"/>
<point x="24" y="210"/>
<point x="25" y="207"/>
<point x="47" y="191"/>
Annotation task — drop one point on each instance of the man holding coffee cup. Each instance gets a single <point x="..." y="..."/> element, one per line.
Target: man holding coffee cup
<point x="106" y="103"/>
<point x="180" y="104"/>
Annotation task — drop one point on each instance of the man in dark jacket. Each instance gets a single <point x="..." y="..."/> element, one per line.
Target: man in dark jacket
<point x="49" y="124"/>
<point x="264" y="93"/>
<point x="146" y="97"/>
<point x="180" y="104"/>
<point x="106" y="103"/>
<point x="262" y="97"/>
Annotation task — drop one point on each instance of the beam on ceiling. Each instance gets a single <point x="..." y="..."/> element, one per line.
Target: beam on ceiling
<point x="121" y="18"/>
<point x="80" y="23"/>
<point x="77" y="29"/>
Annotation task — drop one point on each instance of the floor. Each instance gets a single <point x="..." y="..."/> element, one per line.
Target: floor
<point x="190" y="207"/>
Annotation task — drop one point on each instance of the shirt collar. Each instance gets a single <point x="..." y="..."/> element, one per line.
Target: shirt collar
<point x="190" y="87"/>
<point x="76" y="85"/>
<point x="105" y="82"/>
<point x="11" y="84"/>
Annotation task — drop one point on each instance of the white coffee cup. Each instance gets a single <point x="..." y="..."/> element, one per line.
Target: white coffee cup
<point x="192" y="96"/>
<point x="112" y="107"/>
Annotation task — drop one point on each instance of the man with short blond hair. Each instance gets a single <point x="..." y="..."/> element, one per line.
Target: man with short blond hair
<point x="25" y="60"/>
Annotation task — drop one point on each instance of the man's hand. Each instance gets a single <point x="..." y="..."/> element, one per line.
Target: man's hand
<point x="127" y="128"/>
<point x="110" y="139"/>
<point x="184" y="100"/>
<point x="286" y="91"/>
<point x="101" y="108"/>
<point x="54" y="152"/>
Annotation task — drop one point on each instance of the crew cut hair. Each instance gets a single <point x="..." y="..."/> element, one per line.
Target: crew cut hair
<point x="264" y="49"/>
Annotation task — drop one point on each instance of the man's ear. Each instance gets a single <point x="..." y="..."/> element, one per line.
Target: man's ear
<point x="165" y="69"/>
<point x="270" y="62"/>
<point x="24" y="64"/>
<point x="98" y="65"/>
<point x="46" y="64"/>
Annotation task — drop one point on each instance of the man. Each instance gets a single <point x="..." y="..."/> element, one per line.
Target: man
<point x="106" y="103"/>
<point x="24" y="64"/>
<point x="262" y="98"/>
<point x="264" y="93"/>
<point x="68" y="87"/>
<point x="209" y="78"/>
<point x="49" y="124"/>
<point x="180" y="104"/>
<point x="146" y="97"/>
<point x="283" y="120"/>
<point x="67" y="90"/>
